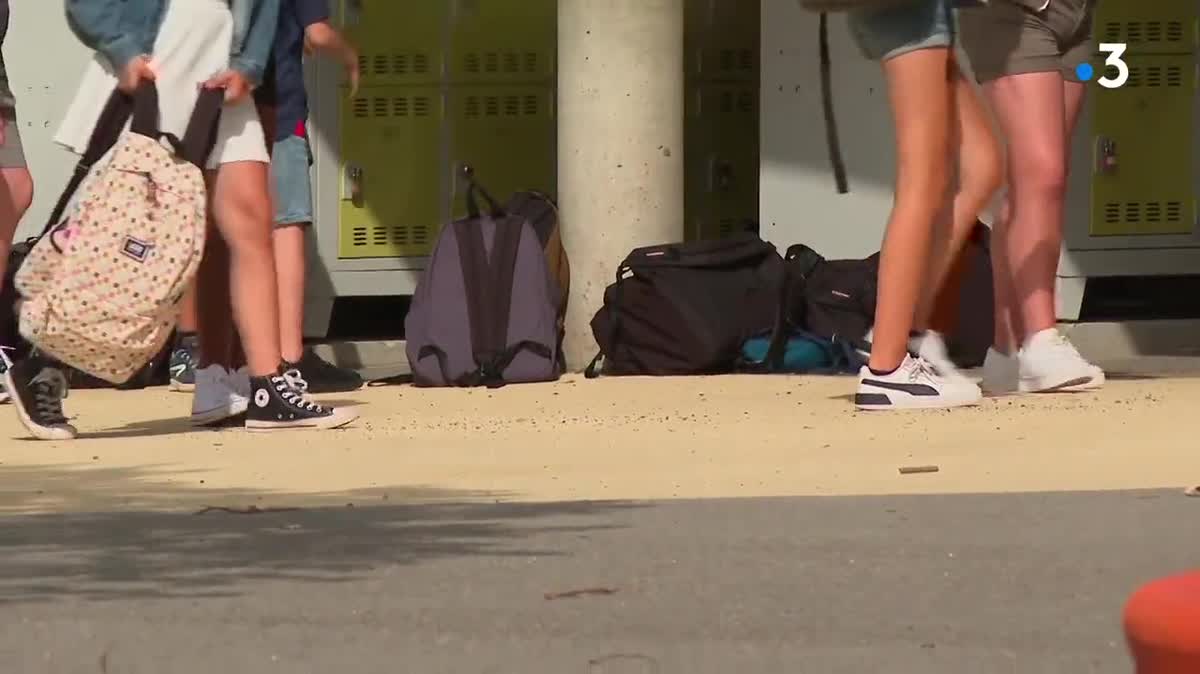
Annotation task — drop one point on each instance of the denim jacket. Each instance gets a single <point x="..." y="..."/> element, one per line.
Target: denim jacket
<point x="122" y="30"/>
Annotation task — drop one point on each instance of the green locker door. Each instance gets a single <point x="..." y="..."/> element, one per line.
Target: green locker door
<point x="721" y="161"/>
<point x="507" y="134"/>
<point x="391" y="132"/>
<point x="502" y="41"/>
<point x="1143" y="173"/>
<point x="398" y="42"/>
<point x="721" y="40"/>
<point x="391" y="154"/>
<point x="1146" y="128"/>
<point x="721" y="155"/>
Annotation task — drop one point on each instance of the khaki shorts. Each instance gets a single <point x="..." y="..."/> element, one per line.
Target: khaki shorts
<point x="1007" y="37"/>
<point x="12" y="155"/>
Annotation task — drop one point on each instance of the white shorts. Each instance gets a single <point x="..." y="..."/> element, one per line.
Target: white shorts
<point x="193" y="45"/>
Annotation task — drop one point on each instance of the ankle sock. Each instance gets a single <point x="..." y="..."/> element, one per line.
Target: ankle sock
<point x="882" y="373"/>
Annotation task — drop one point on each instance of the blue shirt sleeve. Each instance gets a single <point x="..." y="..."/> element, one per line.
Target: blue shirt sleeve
<point x="309" y="12"/>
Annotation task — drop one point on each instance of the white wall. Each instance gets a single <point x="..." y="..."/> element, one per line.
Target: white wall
<point x="798" y="199"/>
<point x="44" y="62"/>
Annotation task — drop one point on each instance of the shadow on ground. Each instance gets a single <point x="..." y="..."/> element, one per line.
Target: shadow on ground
<point x="216" y="541"/>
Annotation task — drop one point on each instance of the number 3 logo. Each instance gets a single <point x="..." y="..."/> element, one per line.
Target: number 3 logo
<point x="1115" y="51"/>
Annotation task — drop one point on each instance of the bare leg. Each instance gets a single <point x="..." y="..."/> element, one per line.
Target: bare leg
<point x="1009" y="329"/>
<point x="242" y="209"/>
<point x="1007" y="320"/>
<point x="1031" y="108"/>
<point x="290" y="269"/>
<point x="921" y="102"/>
<point x="214" y="307"/>
<point x="187" y="315"/>
<point x="16" y="194"/>
<point x="980" y="174"/>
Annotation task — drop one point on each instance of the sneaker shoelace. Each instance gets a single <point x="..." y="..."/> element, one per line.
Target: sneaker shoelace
<point x="923" y="371"/>
<point x="49" y="388"/>
<point x="1065" y="349"/>
<point x="184" y="356"/>
<point x="292" y="388"/>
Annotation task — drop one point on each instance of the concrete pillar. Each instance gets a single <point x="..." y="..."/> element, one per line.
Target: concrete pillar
<point x="620" y="143"/>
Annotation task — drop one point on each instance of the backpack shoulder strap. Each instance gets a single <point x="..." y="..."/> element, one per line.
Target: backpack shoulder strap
<point x="473" y="260"/>
<point x="104" y="136"/>
<point x="201" y="134"/>
<point x="505" y="247"/>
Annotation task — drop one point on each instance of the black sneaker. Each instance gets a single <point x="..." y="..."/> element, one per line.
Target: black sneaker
<point x="279" y="402"/>
<point x="324" y="377"/>
<point x="183" y="363"/>
<point x="37" y="389"/>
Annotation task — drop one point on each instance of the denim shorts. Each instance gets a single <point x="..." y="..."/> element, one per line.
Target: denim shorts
<point x="292" y="183"/>
<point x="884" y="34"/>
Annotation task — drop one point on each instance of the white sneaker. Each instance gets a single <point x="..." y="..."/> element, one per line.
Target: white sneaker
<point x="1001" y="374"/>
<point x="219" y="395"/>
<point x="1049" y="362"/>
<point x="930" y="346"/>
<point x="5" y="363"/>
<point x="914" y="385"/>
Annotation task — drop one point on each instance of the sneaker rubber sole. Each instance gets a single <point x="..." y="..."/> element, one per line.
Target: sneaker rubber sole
<point x="219" y="415"/>
<point x="339" y="418"/>
<point x="868" y="402"/>
<point x="1046" y="384"/>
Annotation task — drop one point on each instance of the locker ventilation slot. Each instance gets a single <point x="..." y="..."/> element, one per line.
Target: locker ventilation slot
<point x="395" y="106"/>
<point x="502" y="106"/>
<point x="394" y="235"/>
<point x="395" y="63"/>
<point x="1152" y="76"/>
<point x="1143" y="32"/>
<point x="507" y="63"/>
<point x="734" y="60"/>
<point x="742" y="102"/>
<point x="1143" y="211"/>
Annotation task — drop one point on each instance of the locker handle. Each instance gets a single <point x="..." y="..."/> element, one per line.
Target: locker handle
<point x="354" y="185"/>
<point x="1106" y="155"/>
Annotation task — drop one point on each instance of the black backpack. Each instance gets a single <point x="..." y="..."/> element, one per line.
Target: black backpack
<point x="835" y="299"/>
<point x="684" y="309"/>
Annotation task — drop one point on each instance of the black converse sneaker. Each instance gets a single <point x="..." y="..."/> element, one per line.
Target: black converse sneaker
<point x="280" y="402"/>
<point x="37" y="390"/>
<point x="323" y="376"/>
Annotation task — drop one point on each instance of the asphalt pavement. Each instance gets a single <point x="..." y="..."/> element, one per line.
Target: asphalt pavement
<point x="978" y="584"/>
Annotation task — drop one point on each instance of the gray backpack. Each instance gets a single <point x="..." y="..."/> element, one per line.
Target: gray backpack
<point x="485" y="312"/>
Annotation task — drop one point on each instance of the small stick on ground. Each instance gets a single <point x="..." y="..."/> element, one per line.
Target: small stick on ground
<point x="911" y="470"/>
<point x="572" y="594"/>
<point x="250" y="510"/>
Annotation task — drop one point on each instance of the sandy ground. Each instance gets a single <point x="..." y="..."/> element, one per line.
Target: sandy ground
<point x="608" y="439"/>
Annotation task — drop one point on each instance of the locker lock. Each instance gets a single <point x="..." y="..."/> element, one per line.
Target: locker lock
<point x="354" y="184"/>
<point x="720" y="175"/>
<point x="1106" y="155"/>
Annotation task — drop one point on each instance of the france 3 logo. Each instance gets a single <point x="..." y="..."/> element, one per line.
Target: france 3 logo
<point x="1114" y="60"/>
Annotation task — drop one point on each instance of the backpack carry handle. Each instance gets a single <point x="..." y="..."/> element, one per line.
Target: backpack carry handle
<point x="201" y="134"/>
<point x="473" y="186"/>
<point x="142" y="106"/>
